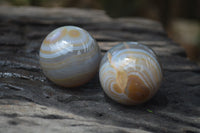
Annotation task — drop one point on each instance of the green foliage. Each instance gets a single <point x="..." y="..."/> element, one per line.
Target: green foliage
<point x="119" y="8"/>
<point x="198" y="38"/>
<point x="29" y="2"/>
<point x="20" y="2"/>
<point x="150" y="111"/>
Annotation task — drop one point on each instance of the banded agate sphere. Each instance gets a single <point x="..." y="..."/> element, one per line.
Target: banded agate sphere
<point x="69" y="56"/>
<point x="130" y="73"/>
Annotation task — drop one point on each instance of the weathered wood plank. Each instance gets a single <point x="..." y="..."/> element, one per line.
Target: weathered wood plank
<point x="31" y="103"/>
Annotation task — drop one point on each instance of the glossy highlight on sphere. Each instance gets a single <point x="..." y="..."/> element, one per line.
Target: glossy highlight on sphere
<point x="130" y="73"/>
<point x="69" y="56"/>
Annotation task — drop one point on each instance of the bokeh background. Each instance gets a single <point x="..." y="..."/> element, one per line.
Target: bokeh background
<point x="180" y="18"/>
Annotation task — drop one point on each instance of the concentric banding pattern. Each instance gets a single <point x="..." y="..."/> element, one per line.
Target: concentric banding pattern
<point x="65" y="40"/>
<point x="69" y="56"/>
<point x="142" y="69"/>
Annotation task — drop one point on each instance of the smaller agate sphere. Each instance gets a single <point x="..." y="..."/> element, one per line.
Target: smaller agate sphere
<point x="69" y="56"/>
<point x="130" y="73"/>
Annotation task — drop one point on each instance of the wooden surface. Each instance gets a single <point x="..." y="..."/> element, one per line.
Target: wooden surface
<point x="30" y="103"/>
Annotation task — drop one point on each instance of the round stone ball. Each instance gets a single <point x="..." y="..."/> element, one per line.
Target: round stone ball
<point x="130" y="73"/>
<point x="69" y="56"/>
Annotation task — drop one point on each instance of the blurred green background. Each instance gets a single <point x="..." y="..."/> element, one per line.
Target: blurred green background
<point x="180" y="18"/>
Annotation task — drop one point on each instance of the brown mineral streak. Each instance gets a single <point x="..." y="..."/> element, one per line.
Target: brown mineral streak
<point x="136" y="89"/>
<point x="74" y="33"/>
<point x="121" y="77"/>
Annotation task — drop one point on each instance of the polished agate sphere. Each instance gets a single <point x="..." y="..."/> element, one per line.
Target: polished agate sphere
<point x="130" y="73"/>
<point x="69" y="56"/>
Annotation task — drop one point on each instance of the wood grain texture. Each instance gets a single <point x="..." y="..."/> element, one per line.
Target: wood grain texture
<point x="31" y="103"/>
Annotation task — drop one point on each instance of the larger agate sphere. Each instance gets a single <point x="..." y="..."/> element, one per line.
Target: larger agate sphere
<point x="130" y="73"/>
<point x="69" y="56"/>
